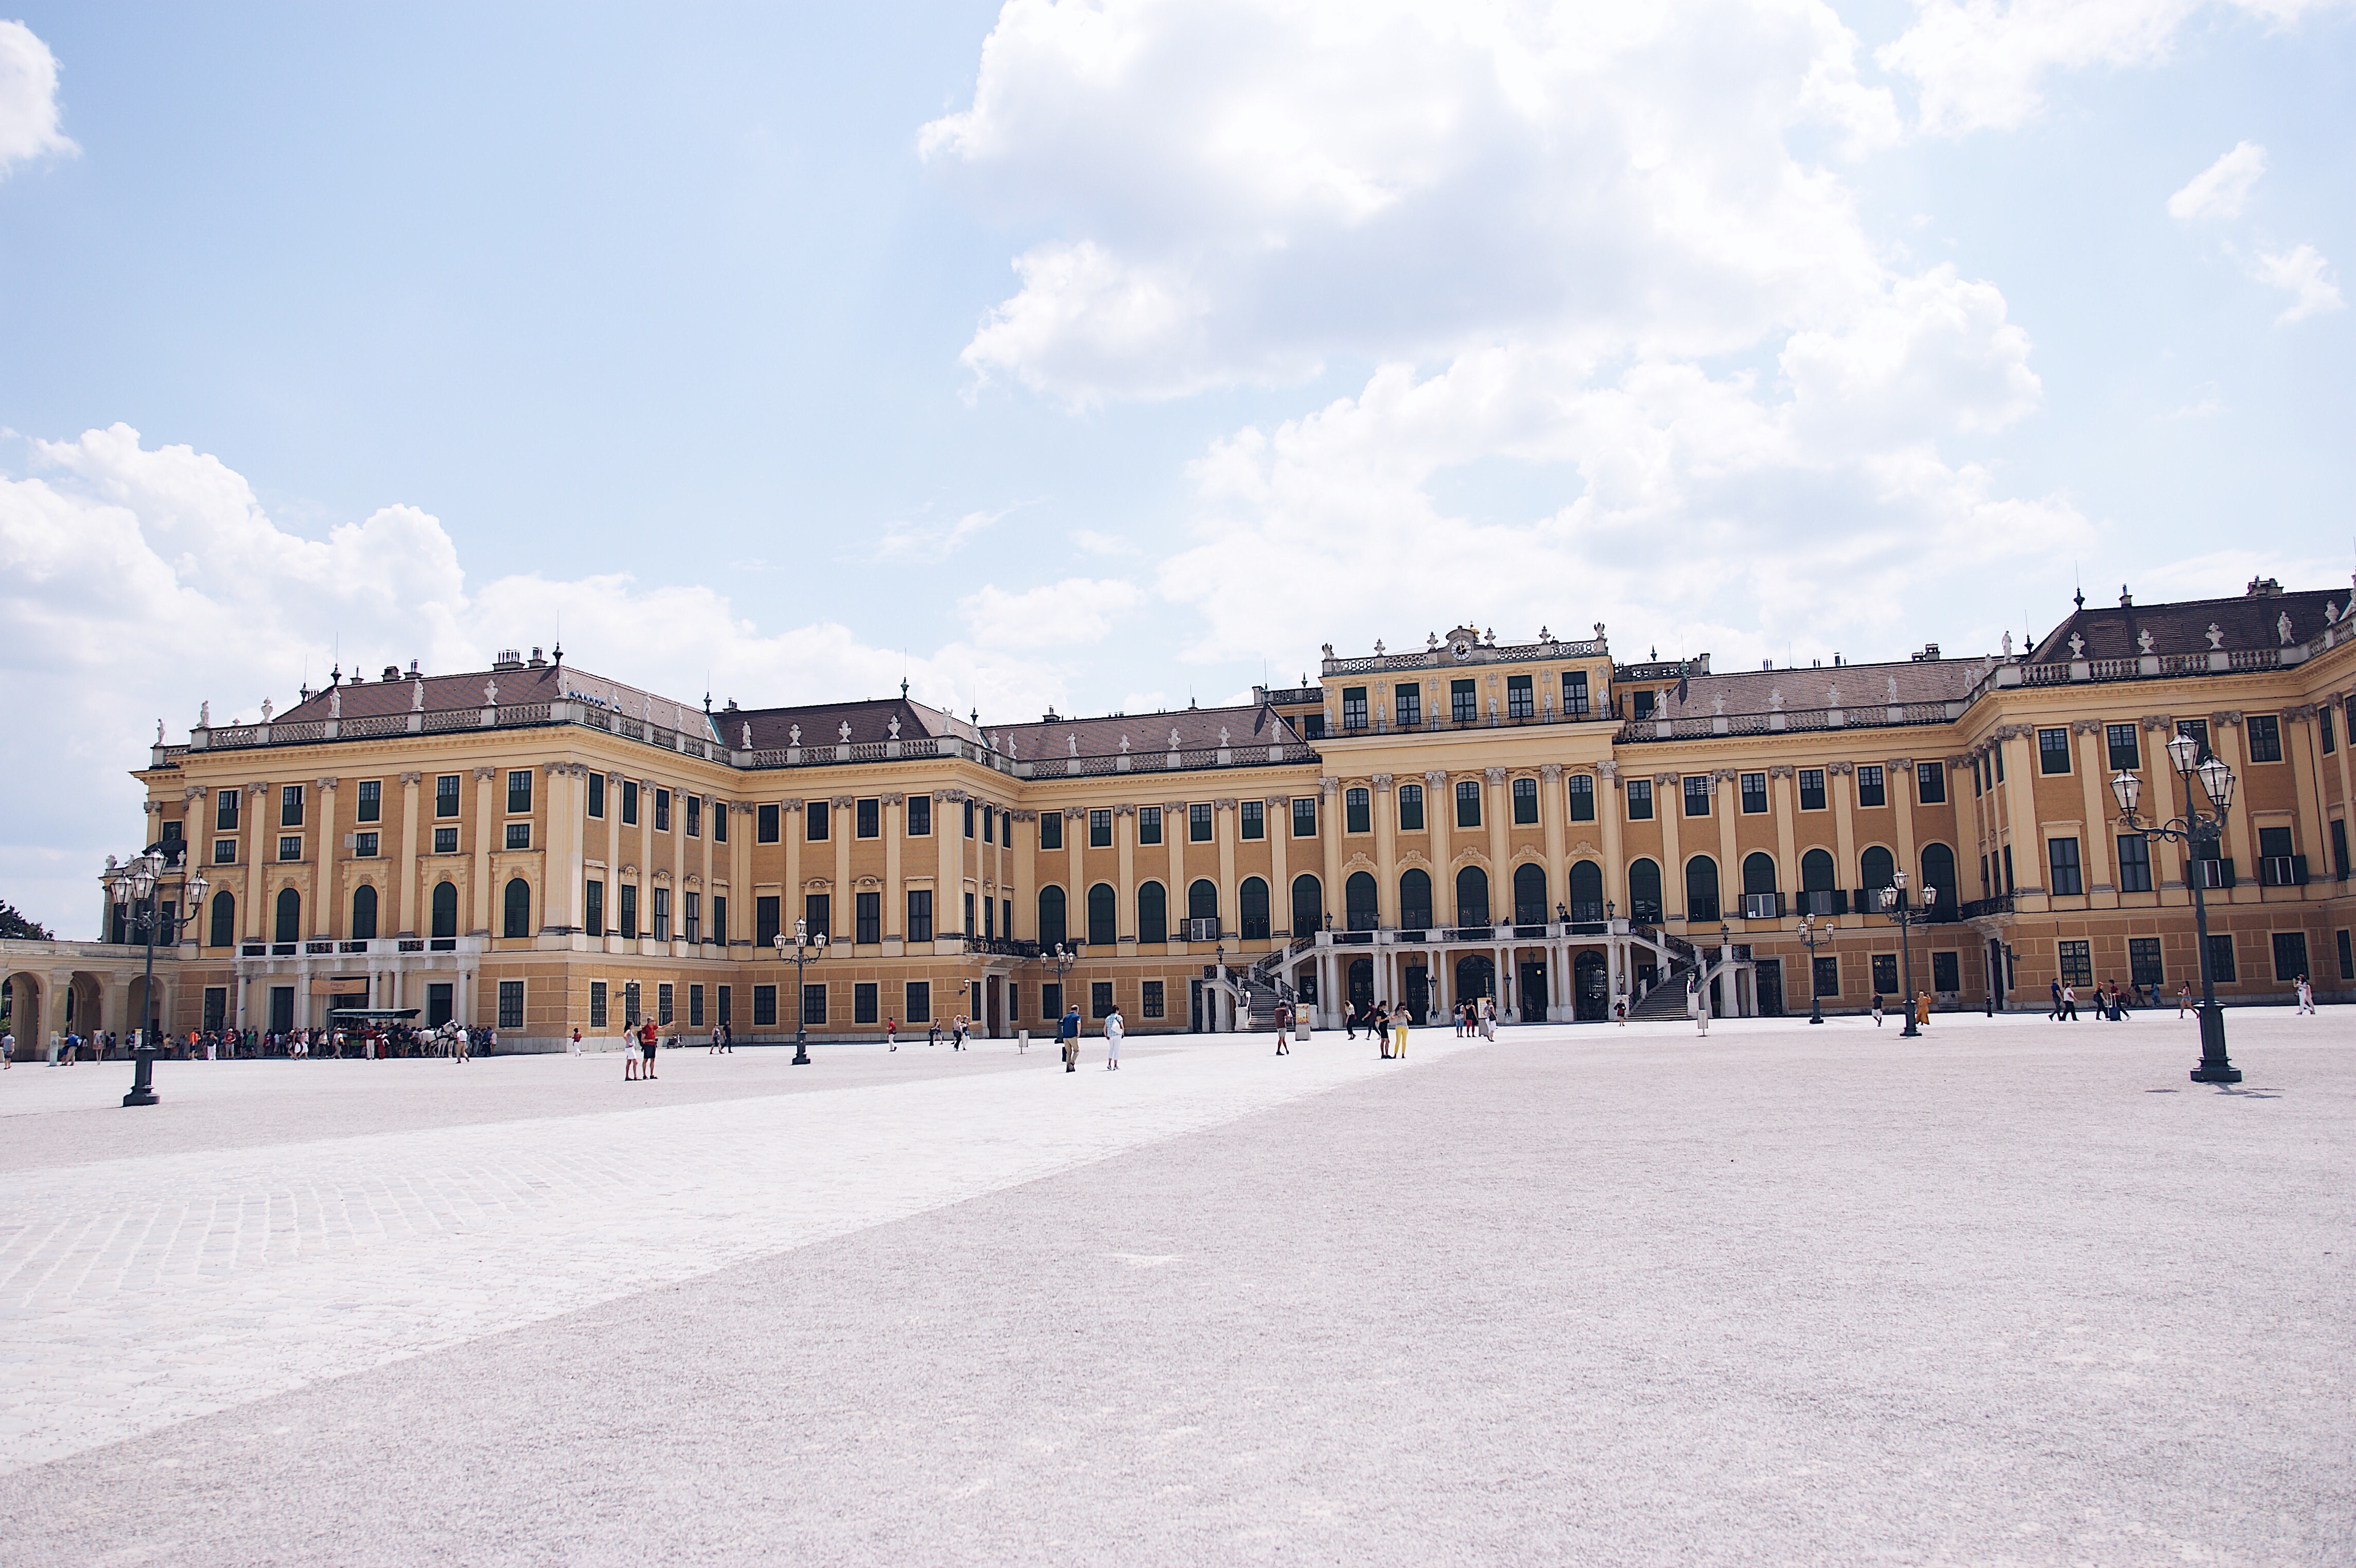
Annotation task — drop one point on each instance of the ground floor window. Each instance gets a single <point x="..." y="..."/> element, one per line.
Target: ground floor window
<point x="2077" y="964"/>
<point x="1051" y="1002"/>
<point x="2290" y="955"/>
<point x="695" y="1006"/>
<point x="438" y="1009"/>
<point x="510" y="1004"/>
<point x="814" y="1004"/>
<point x="765" y="1006"/>
<point x="1100" y="998"/>
<point x="663" y="1003"/>
<point x="726" y="1014"/>
<point x="920" y="1002"/>
<point x="2143" y="962"/>
<point x="1150" y="1005"/>
<point x="863" y="1003"/>
<point x="1947" y="972"/>
<point x="215" y="1008"/>
<point x="597" y="1004"/>
<point x="2347" y="954"/>
<point x="633" y="1006"/>
<point x="1885" y="973"/>
<point x="2221" y="960"/>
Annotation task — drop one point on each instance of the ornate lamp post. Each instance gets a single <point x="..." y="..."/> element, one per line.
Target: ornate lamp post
<point x="1893" y="904"/>
<point x="135" y="885"/>
<point x="1812" y="938"/>
<point x="2196" y="828"/>
<point x="804" y="944"/>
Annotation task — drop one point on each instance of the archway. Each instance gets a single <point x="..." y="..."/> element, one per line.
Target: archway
<point x="1358" y="901"/>
<point x="25" y="995"/>
<point x="1939" y="872"/>
<point x="1645" y="892"/>
<point x="1877" y="869"/>
<point x="1051" y="918"/>
<point x="1590" y="979"/>
<point x="288" y="925"/>
<point x="1103" y="916"/>
<point x="1471" y="896"/>
<point x="1308" y="906"/>
<point x="1586" y="891"/>
<point x="1475" y="977"/>
<point x="445" y="909"/>
<point x="224" y="921"/>
<point x="1251" y="909"/>
<point x="517" y="917"/>
<point x="1152" y="912"/>
<point x="1415" y="900"/>
<point x="1529" y="894"/>
<point x="1362" y="983"/>
<point x="1701" y="888"/>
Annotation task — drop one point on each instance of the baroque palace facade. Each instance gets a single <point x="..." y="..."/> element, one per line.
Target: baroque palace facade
<point x="537" y="848"/>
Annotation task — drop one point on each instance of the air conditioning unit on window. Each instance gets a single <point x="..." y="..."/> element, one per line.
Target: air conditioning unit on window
<point x="1203" y="930"/>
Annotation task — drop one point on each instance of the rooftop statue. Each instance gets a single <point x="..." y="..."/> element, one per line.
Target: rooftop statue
<point x="417" y="696"/>
<point x="2282" y="624"/>
<point x="2216" y="638"/>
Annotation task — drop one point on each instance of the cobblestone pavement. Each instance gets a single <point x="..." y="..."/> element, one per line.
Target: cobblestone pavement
<point x="135" y="1293"/>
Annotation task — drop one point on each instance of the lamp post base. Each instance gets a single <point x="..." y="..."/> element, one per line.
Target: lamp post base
<point x="143" y="1080"/>
<point x="801" y="1050"/>
<point x="2214" y="1068"/>
<point x="1909" y="1032"/>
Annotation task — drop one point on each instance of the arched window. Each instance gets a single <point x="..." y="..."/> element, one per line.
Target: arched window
<point x="1759" y="872"/>
<point x="224" y="931"/>
<point x="518" y="920"/>
<point x="1051" y="918"/>
<point x="364" y="913"/>
<point x="1308" y="906"/>
<point x="1358" y="902"/>
<point x="1202" y="901"/>
<point x="1939" y="872"/>
<point x="1878" y="868"/>
<point x="1586" y="891"/>
<point x="1817" y="872"/>
<point x="1104" y="906"/>
<point x="1529" y="894"/>
<point x="446" y="909"/>
<point x="1471" y="896"/>
<point x="1251" y="909"/>
<point x="1701" y="888"/>
<point x="1153" y="913"/>
<point x="1643" y="891"/>
<point x="289" y="925"/>
<point x="1415" y="900"/>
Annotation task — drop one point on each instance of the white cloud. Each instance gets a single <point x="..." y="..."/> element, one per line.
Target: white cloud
<point x="2304" y="274"/>
<point x="138" y="582"/>
<point x="28" y="98"/>
<point x="1071" y="614"/>
<point x="1100" y="543"/>
<point x="1982" y="64"/>
<point x="934" y="541"/>
<point x="2218" y="190"/>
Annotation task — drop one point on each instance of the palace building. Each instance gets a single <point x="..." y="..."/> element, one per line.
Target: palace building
<point x="537" y="848"/>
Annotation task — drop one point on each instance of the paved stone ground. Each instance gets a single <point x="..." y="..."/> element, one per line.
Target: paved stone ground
<point x="2015" y="1292"/>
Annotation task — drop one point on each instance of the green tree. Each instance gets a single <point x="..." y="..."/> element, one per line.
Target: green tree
<point x="14" y="924"/>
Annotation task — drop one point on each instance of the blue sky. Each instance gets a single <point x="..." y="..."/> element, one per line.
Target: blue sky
<point x="1107" y="355"/>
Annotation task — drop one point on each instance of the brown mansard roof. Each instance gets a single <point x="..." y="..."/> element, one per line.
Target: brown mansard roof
<point x="1197" y="730"/>
<point x="518" y="686"/>
<point x="2252" y="620"/>
<point x="1860" y="686"/>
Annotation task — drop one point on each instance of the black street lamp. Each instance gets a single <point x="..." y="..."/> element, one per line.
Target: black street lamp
<point x="2196" y="828"/>
<point x="803" y="945"/>
<point x="1893" y="904"/>
<point x="136" y="885"/>
<point x="1811" y="939"/>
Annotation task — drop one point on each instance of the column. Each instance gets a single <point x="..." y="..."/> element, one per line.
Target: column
<point x="1385" y="821"/>
<point x="1026" y="872"/>
<point x="645" y="853"/>
<point x="1076" y="894"/>
<point x="2302" y="751"/>
<point x="1787" y="851"/>
<point x="1279" y="892"/>
<point x="1901" y="786"/>
<point x="564" y="814"/>
<point x="703" y="925"/>
<point x="485" y="828"/>
<point x="408" y="869"/>
<point x="1839" y="779"/>
<point x="1612" y="810"/>
<point x="740" y="874"/>
<point x="2160" y="802"/>
<point x="324" y="891"/>
<point x="614" y="852"/>
<point x="845" y="905"/>
<point x="1440" y="815"/>
<point x="1724" y="804"/>
<point x="256" y="921"/>
<point x="1223" y="833"/>
<point x="2225" y="740"/>
<point x="1501" y="851"/>
<point x="793" y="826"/>
<point x="896" y="903"/>
<point x="2020" y="810"/>
<point x="1329" y="835"/>
<point x="1553" y="808"/>
<point x="1174" y="828"/>
<point x="1124" y="842"/>
<point x="1669" y="807"/>
<point x="2095" y="850"/>
<point x="949" y="861"/>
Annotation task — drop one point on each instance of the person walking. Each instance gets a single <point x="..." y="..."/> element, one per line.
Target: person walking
<point x="2069" y="1003"/>
<point x="1877" y="1009"/>
<point x="727" y="1040"/>
<point x="2054" y="1013"/>
<point x="2305" y="996"/>
<point x="892" y="1032"/>
<point x="1922" y="1009"/>
<point x="1379" y="1026"/>
<point x="1114" y="1029"/>
<point x="7" y="1050"/>
<point x="1283" y="1027"/>
<point x="629" y="1054"/>
<point x="575" y="1043"/>
<point x="2183" y="998"/>
<point x="1068" y="1033"/>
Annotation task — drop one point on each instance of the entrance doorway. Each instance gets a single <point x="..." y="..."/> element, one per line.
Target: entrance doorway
<point x="1768" y="981"/>
<point x="1475" y="977"/>
<point x="438" y="1004"/>
<point x="1362" y="983"/>
<point x="282" y="1008"/>
<point x="1417" y="986"/>
<point x="993" y="999"/>
<point x="1534" y="993"/>
<point x="1590" y="978"/>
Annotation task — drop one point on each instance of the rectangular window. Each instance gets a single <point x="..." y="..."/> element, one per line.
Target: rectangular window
<point x="1525" y="800"/>
<point x="1931" y="782"/>
<point x="695" y="1006"/>
<point x="695" y="816"/>
<point x="2134" y="864"/>
<point x="2346" y="958"/>
<point x="1463" y="701"/>
<point x="1409" y="699"/>
<point x="864" y="1009"/>
<point x="1198" y="822"/>
<point x="2221" y="960"/>
<point x="2007" y="871"/>
<point x="1697" y="788"/>
<point x="765" y="1006"/>
<point x="2199" y="730"/>
<point x="867" y="908"/>
<point x="1305" y="816"/>
<point x="2266" y="746"/>
<point x="1582" y="798"/>
<point x="868" y="823"/>
<point x="1252" y="820"/>
<point x="592" y="907"/>
<point x="920" y="819"/>
<point x="631" y="1016"/>
<point x="1100" y="998"/>
<point x="519" y="835"/>
<point x="719" y="918"/>
<point x="1099" y="829"/>
<point x="290" y="847"/>
<point x="445" y="841"/>
<point x="970" y="824"/>
<point x="290" y="805"/>
<point x="1150" y="1001"/>
<point x="2339" y="848"/>
<point x="1051" y="1002"/>
<point x="2143" y="962"/>
<point x="1312" y="726"/>
<point x="1520" y="701"/>
<point x="1357" y="812"/>
<point x="597" y="795"/>
<point x="1149" y="824"/>
<point x="1640" y="799"/>
<point x="814" y="1004"/>
<point x="816" y="828"/>
<point x="2327" y="729"/>
<point x="1997" y="757"/>
<point x="663" y="995"/>
<point x="2077" y="964"/>
<point x="662" y="811"/>
<point x="767" y="920"/>
<point x="225" y="852"/>
<point x="519" y="790"/>
<point x="989" y="825"/>
<point x="692" y="915"/>
<point x="1754" y="794"/>
<point x="1354" y="707"/>
<point x="225" y="809"/>
<point x="629" y="804"/>
<point x="2053" y="751"/>
<point x="968" y="915"/>
<point x="817" y="914"/>
<point x="917" y="997"/>
<point x="1410" y="808"/>
<point x="1947" y="973"/>
<point x="597" y="1004"/>
<point x="662" y="914"/>
<point x="1574" y="694"/>
<point x="1885" y="973"/>
<point x="2119" y="745"/>
<point x="1051" y="828"/>
<point x="371" y="802"/>
<point x="920" y="914"/>
<point x="2062" y="858"/>
<point x="1827" y="977"/>
<point x="629" y="922"/>
<point x="1979" y="779"/>
<point x="1870" y="791"/>
<point x="764" y="826"/>
<point x="1812" y="788"/>
<point x="989" y="918"/>
<point x="1468" y="803"/>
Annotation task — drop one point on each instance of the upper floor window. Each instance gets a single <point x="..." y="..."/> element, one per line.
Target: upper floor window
<point x="1354" y="707"/>
<point x="290" y="847"/>
<point x="1870" y="790"/>
<point x="1149" y="824"/>
<point x="662" y="811"/>
<point x="1099" y="829"/>
<point x="1520" y="701"/>
<point x="1640" y="704"/>
<point x="1931" y="782"/>
<point x="225" y="808"/>
<point x="1305" y="816"/>
<point x="371" y="806"/>
<point x="920" y="820"/>
<point x="290" y="806"/>
<point x="1411" y="808"/>
<point x="764" y="823"/>
<point x="1198" y="822"/>
<point x="1640" y="799"/>
<point x="1582" y="797"/>
<point x="1525" y="800"/>
<point x="870" y="823"/>
<point x="815" y="826"/>
<point x="695" y="816"/>
<point x="2053" y="750"/>
<point x="2265" y="737"/>
<point x="596" y="794"/>
<point x="1463" y="701"/>
<point x="1468" y="803"/>
<point x="1409" y="700"/>
<point x="629" y="802"/>
<point x="519" y="790"/>
<point x="1357" y="812"/>
<point x="1812" y="788"/>
<point x="2121" y="742"/>
<point x="968" y="825"/>
<point x="988" y="822"/>
<point x="519" y="835"/>
<point x="1051" y="829"/>
<point x="1574" y="694"/>
<point x="445" y="795"/>
<point x="1754" y="793"/>
<point x="1696" y="794"/>
<point x="1251" y="821"/>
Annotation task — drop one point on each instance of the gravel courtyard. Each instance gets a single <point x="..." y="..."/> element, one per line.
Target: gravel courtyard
<point x="2013" y="1292"/>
